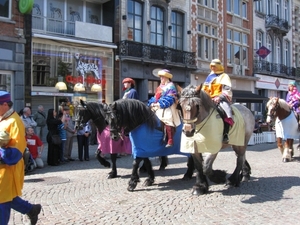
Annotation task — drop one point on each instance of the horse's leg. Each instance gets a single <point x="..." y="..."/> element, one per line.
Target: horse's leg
<point x="235" y="179"/>
<point x="113" y="172"/>
<point x="163" y="162"/>
<point x="134" y="174"/>
<point x="246" y="171"/>
<point x="287" y="153"/>
<point x="191" y="167"/>
<point x="280" y="145"/>
<point x="102" y="160"/>
<point x="143" y="169"/>
<point x="216" y="176"/>
<point x="201" y="185"/>
<point x="150" y="180"/>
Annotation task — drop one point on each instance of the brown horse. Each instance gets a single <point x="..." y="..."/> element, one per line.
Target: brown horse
<point x="203" y="133"/>
<point x="286" y="126"/>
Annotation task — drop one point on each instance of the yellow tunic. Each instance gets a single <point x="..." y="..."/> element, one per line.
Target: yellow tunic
<point x="12" y="177"/>
<point x="215" y="87"/>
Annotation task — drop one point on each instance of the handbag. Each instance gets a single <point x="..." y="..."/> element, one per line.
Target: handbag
<point x="55" y="139"/>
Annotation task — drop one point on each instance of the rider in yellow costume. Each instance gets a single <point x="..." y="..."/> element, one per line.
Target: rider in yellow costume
<point x="218" y="86"/>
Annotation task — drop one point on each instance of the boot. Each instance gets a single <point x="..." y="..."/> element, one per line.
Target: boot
<point x="170" y="132"/>
<point x="225" y="133"/>
<point x="33" y="213"/>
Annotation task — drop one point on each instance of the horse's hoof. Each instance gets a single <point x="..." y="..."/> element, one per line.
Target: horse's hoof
<point x="111" y="175"/>
<point x="232" y="184"/>
<point x="162" y="168"/>
<point x="245" y="178"/>
<point x="148" y="182"/>
<point x="131" y="185"/>
<point x="186" y="177"/>
<point x="199" y="190"/>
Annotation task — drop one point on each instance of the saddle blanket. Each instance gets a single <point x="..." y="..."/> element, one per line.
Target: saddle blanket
<point x="109" y="146"/>
<point x="149" y="143"/>
<point x="287" y="128"/>
<point x="210" y="134"/>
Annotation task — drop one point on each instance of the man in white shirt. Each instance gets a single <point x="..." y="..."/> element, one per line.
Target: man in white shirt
<point x="27" y="118"/>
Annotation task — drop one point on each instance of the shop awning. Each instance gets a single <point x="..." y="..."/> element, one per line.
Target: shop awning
<point x="247" y="97"/>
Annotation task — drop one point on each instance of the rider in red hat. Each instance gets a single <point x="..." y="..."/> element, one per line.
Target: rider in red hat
<point x="130" y="92"/>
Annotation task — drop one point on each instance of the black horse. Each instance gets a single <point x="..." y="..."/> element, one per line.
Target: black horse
<point x="98" y="113"/>
<point x="146" y="134"/>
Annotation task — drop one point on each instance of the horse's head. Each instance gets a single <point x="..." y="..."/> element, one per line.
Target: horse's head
<point x="82" y="115"/>
<point x="112" y="119"/>
<point x="189" y="104"/>
<point x="272" y="107"/>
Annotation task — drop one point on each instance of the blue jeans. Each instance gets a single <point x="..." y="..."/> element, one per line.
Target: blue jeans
<point x="62" y="150"/>
<point x="17" y="204"/>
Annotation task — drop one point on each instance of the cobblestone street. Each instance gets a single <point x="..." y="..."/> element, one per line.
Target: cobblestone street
<point x="79" y="193"/>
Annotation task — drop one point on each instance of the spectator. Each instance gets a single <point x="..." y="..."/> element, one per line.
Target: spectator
<point x="53" y="150"/>
<point x="40" y="118"/>
<point x="27" y="118"/>
<point x="257" y="128"/>
<point x="12" y="165"/>
<point x="70" y="134"/>
<point x="83" y="142"/>
<point x="35" y="146"/>
<point x="63" y="136"/>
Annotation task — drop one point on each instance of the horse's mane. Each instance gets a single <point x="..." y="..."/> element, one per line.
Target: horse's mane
<point x="195" y="97"/>
<point x="98" y="114"/>
<point x="131" y="113"/>
<point x="282" y="103"/>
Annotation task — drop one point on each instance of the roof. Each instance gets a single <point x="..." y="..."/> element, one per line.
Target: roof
<point x="247" y="97"/>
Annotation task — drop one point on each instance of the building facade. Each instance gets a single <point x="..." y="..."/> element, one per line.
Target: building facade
<point x="224" y="30"/>
<point x="274" y="52"/>
<point x="12" y="50"/>
<point x="70" y="42"/>
<point x="152" y="34"/>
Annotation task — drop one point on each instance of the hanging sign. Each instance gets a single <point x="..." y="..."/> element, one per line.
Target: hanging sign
<point x="25" y="6"/>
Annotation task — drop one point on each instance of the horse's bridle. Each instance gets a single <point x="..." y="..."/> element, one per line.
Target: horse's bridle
<point x="188" y="108"/>
<point x="274" y="109"/>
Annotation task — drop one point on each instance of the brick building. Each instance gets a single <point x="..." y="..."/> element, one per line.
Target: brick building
<point x="12" y="50"/>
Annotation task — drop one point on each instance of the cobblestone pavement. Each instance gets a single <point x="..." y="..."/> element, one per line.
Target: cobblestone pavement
<point x="79" y="193"/>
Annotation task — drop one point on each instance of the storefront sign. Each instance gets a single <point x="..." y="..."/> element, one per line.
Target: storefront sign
<point x="35" y="93"/>
<point x="89" y="80"/>
<point x="272" y="83"/>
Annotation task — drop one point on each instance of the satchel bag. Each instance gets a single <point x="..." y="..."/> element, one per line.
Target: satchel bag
<point x="56" y="140"/>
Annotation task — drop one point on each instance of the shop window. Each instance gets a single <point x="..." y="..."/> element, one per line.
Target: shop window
<point x="5" y="9"/>
<point x="152" y="85"/>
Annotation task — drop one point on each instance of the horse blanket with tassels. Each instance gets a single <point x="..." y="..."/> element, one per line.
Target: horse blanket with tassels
<point x="209" y="134"/>
<point x="149" y="143"/>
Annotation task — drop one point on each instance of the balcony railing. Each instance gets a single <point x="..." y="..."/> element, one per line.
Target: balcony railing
<point x="148" y="52"/>
<point x="262" y="66"/>
<point x="273" y="22"/>
<point x="41" y="24"/>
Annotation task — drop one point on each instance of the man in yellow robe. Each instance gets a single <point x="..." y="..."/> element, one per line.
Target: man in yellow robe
<point x="12" y="164"/>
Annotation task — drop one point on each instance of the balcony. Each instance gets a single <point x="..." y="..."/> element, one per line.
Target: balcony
<point x="276" y="69"/>
<point x="77" y="29"/>
<point x="272" y="22"/>
<point x="137" y="51"/>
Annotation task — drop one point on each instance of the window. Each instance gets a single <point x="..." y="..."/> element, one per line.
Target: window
<point x="259" y="41"/>
<point x="229" y="8"/>
<point x="237" y="48"/>
<point x="135" y="20"/>
<point x="258" y="6"/>
<point x="236" y="7"/>
<point x="269" y="46"/>
<point x="285" y="11"/>
<point x="244" y="10"/>
<point x="277" y="10"/>
<point x="5" y="81"/>
<point x="269" y="7"/>
<point x="157" y="26"/>
<point x="277" y="51"/>
<point x="207" y="43"/>
<point x="177" y="30"/>
<point x="286" y="53"/>
<point x="5" y="9"/>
